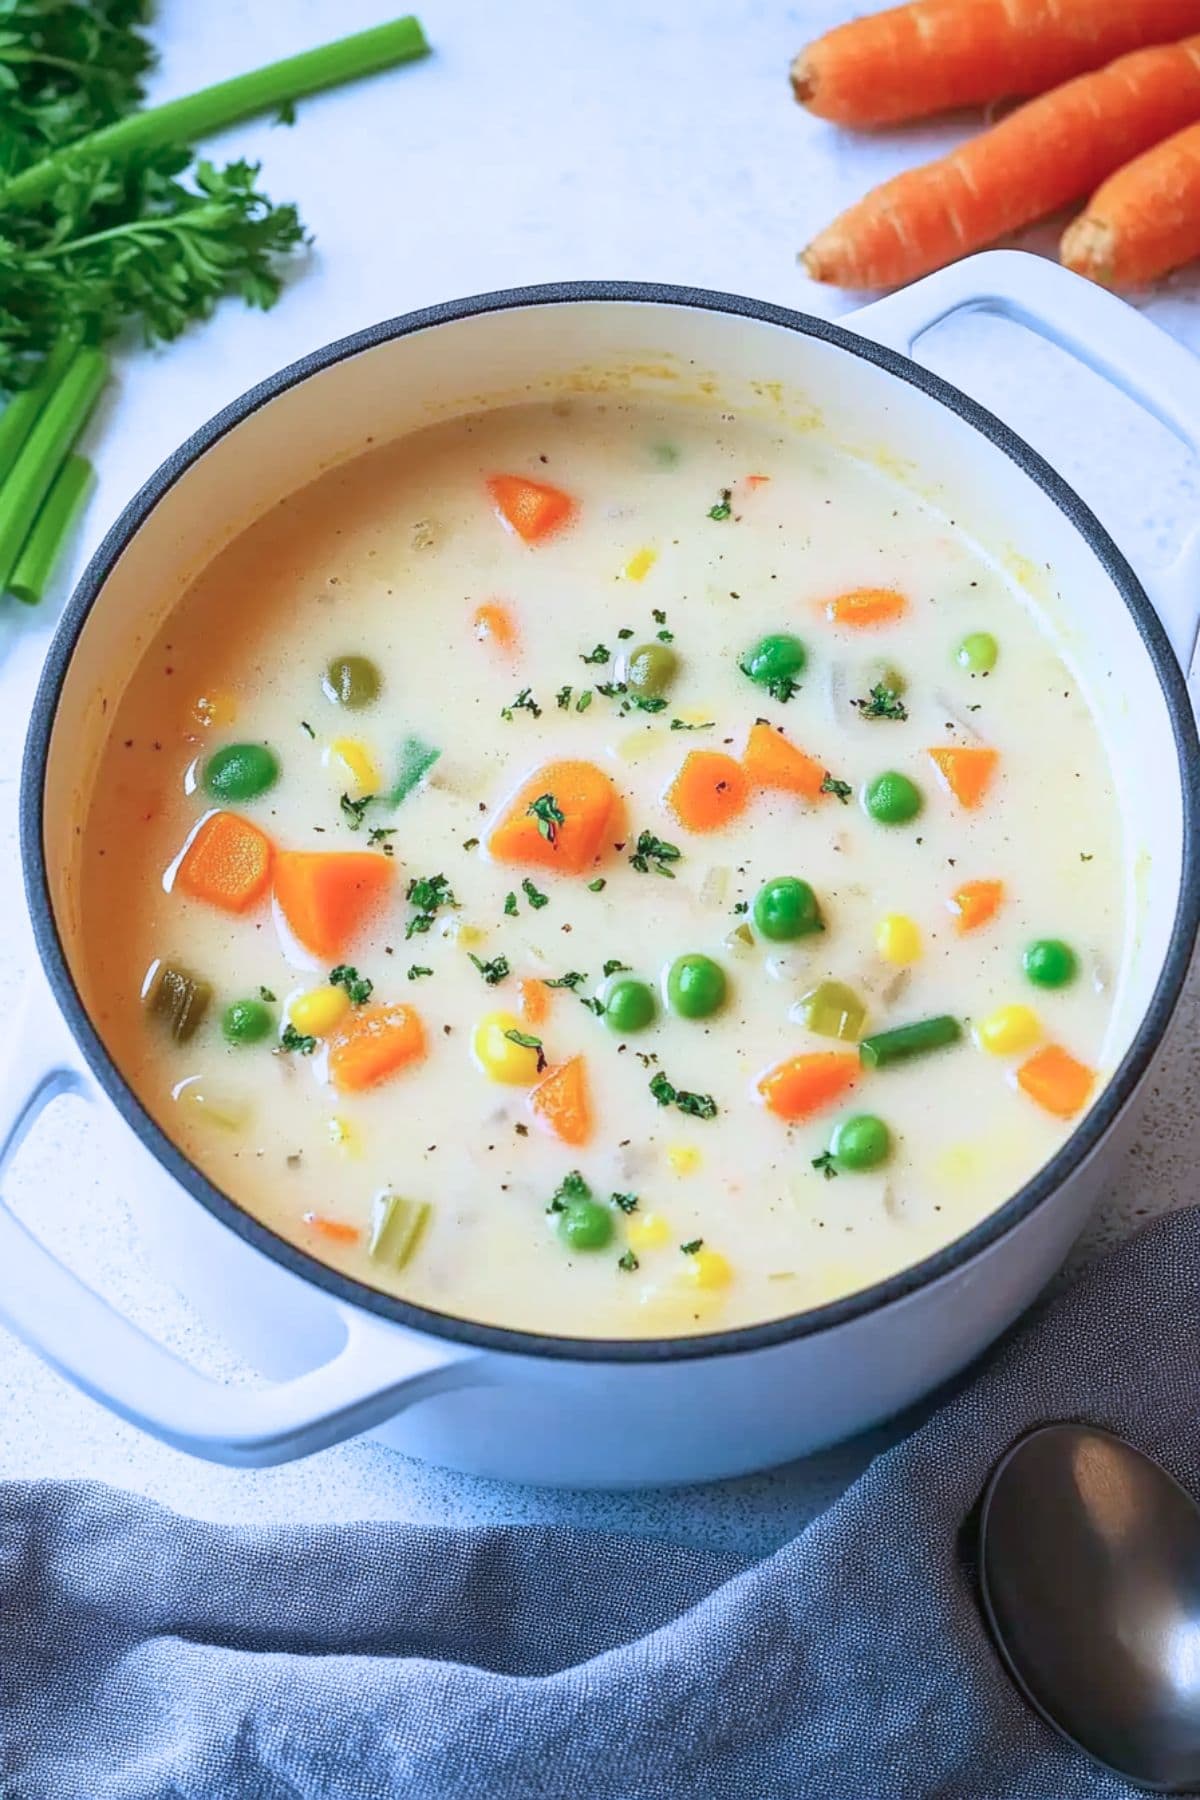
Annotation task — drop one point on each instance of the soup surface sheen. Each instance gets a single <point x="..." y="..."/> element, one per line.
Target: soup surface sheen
<point x="694" y="1198"/>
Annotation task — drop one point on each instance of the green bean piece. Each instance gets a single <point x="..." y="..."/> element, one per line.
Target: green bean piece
<point x="834" y="1010"/>
<point x="180" y="999"/>
<point x="887" y="1047"/>
<point x="396" y="1226"/>
<point x="416" y="760"/>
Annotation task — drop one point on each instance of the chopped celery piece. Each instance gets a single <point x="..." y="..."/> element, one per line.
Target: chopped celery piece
<point x="416" y="760"/>
<point x="739" y="940"/>
<point x="834" y="1010"/>
<point x="180" y="999"/>
<point x="396" y="1225"/>
<point x="214" y="1106"/>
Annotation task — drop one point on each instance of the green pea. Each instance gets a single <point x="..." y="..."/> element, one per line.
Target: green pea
<point x="245" y="1022"/>
<point x="649" y="669"/>
<point x="977" y="652"/>
<point x="695" y="986"/>
<point x="861" y="1142"/>
<point x="352" y="681"/>
<point x="775" y="662"/>
<point x="241" y="771"/>
<point x="629" y="1005"/>
<point x="786" y="908"/>
<point x="1050" y="963"/>
<point x="892" y="799"/>
<point x="585" y="1225"/>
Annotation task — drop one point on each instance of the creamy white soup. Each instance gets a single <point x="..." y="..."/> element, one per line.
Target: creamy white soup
<point x="608" y="871"/>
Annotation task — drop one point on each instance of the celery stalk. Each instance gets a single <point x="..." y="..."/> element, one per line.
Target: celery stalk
<point x="16" y="421"/>
<point x="51" y="529"/>
<point x="44" y="452"/>
<point x="214" y="108"/>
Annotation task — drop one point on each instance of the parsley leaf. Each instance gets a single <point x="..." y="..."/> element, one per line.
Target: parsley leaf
<point x="493" y="971"/>
<point x="584" y="700"/>
<point x="659" y="616"/>
<point x="295" y="1040"/>
<point x="650" y="850"/>
<point x="601" y="654"/>
<point x="723" y="509"/>
<point x="884" y="703"/>
<point x="842" y="789"/>
<point x="426" y="894"/>
<point x="354" y="811"/>
<point x="357" y="986"/>
<point x="524" y="702"/>
<point x="571" y="979"/>
<point x="826" y="1164"/>
<point x="510" y="905"/>
<point x="651" y="703"/>
<point x="683" y="725"/>
<point x="571" y="1187"/>
<point x="598" y="886"/>
<point x="305" y="726"/>
<point x="549" y="815"/>
<point x="665" y="637"/>
<point x="692" y="1245"/>
<point x="266" y="994"/>
<point x="613" y="965"/>
<point x="628" y="1262"/>
<point x="697" y="1106"/>
<point x="536" y="899"/>
<point x="416" y="970"/>
<point x="379" y="834"/>
<point x="563" y="698"/>
<point x="593" y="1006"/>
<point x="626" y="1202"/>
<point x="528" y="1043"/>
<point x="626" y="631"/>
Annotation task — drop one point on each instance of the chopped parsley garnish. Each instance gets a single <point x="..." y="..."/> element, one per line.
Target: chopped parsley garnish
<point x="628" y="1262"/>
<point x="598" y="886"/>
<point x="1084" y="856"/>
<point x="426" y="894"/>
<point x="549" y="815"/>
<point x="782" y="688"/>
<point x="884" y="703"/>
<point x="563" y="698"/>
<point x="379" y="834"/>
<point x="665" y="637"/>
<point x="493" y="971"/>
<point x="357" y="986"/>
<point x="723" y="509"/>
<point x="683" y="725"/>
<point x="571" y="1187"/>
<point x="659" y="616"/>
<point x="826" y="1164"/>
<point x="536" y="900"/>
<point x="612" y="690"/>
<point x="510" y="905"/>
<point x="295" y="1040"/>
<point x="267" y="995"/>
<point x="584" y="700"/>
<point x="613" y="965"/>
<point x="355" y="810"/>
<point x="651" y="851"/>
<point x="626" y="631"/>
<point x="692" y="1245"/>
<point x="524" y="702"/>
<point x="526" y="1042"/>
<point x="601" y="654"/>
<point x="842" y="789"/>
<point x="470" y="843"/>
<point x="697" y="1106"/>
<point x="626" y="1202"/>
<point x="741" y="906"/>
<point x="651" y="703"/>
<point x="571" y="980"/>
<point x="305" y="726"/>
<point x="416" y="970"/>
<point x="593" y="1006"/>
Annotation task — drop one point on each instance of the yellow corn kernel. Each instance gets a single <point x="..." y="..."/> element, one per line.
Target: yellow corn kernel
<point x="647" y="1231"/>
<point x="214" y="709"/>
<point x="707" y="1268"/>
<point x="1008" y="1030"/>
<point x="213" y="1106"/>
<point x="640" y="564"/>
<point x="683" y="1158"/>
<point x="457" y="931"/>
<point x="498" y="1056"/>
<point x="358" y="763"/>
<point x="320" y="1011"/>
<point x="897" y="939"/>
<point x="344" y="1135"/>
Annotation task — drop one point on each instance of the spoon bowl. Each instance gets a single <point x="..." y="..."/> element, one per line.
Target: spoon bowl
<point x="1090" y="1571"/>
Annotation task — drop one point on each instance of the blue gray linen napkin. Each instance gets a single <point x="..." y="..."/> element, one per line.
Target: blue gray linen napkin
<point x="146" y="1656"/>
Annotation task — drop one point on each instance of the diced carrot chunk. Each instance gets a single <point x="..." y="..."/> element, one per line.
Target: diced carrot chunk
<point x="562" y="1103"/>
<point x="227" y="863"/>
<point x="529" y="508"/>
<point x="770" y="760"/>
<point x="495" y="624"/>
<point x="327" y="895"/>
<point x="975" y="902"/>
<point x="754" y="481"/>
<point x="375" y="1042"/>
<point x="866" y="606"/>
<point x="1056" y="1081"/>
<point x="709" y="790"/>
<point x="528" y="831"/>
<point x="336" y="1230"/>
<point x="805" y="1084"/>
<point x="535" y="1001"/>
<point x="966" y="771"/>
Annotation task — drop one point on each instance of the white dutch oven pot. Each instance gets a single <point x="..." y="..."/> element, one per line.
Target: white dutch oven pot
<point x="340" y="1358"/>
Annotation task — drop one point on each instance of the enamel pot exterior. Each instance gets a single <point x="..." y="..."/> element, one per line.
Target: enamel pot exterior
<point x="341" y="1358"/>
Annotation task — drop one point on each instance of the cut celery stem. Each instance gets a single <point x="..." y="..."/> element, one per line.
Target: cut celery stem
<point x="51" y="529"/>
<point x="17" y="419"/>
<point x="44" y="451"/>
<point x="226" y="103"/>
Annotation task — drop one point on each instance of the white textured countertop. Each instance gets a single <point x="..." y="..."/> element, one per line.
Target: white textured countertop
<point x="547" y="139"/>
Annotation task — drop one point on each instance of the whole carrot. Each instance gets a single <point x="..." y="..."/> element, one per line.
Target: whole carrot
<point x="933" y="54"/>
<point x="1046" y="154"/>
<point x="1143" y="221"/>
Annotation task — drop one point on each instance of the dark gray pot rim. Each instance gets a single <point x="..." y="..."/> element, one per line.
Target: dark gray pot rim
<point x="1078" y="1147"/>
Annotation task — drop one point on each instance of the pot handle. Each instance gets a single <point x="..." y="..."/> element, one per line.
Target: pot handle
<point x="379" y="1370"/>
<point x="1105" y="334"/>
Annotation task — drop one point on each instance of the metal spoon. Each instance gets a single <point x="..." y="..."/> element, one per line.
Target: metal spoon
<point x="1090" y="1567"/>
